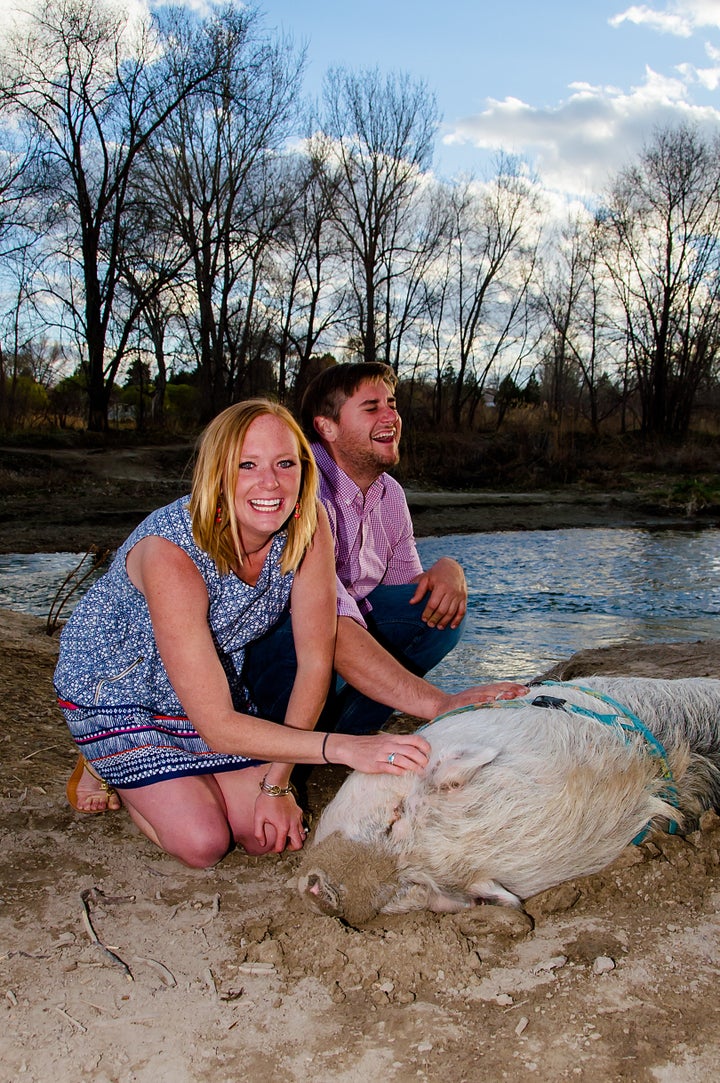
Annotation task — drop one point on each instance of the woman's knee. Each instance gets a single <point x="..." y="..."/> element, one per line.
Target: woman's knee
<point x="185" y="817"/>
<point x="200" y="849"/>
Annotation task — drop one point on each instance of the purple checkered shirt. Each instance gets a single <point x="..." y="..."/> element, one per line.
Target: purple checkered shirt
<point x="374" y="540"/>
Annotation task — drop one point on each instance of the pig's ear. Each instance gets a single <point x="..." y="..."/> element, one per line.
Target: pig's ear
<point x="457" y="767"/>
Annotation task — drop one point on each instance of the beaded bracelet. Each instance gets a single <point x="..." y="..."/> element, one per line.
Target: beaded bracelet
<point x="274" y="791"/>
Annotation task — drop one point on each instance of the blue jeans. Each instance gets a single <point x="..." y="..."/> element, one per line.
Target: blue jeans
<point x="270" y="662"/>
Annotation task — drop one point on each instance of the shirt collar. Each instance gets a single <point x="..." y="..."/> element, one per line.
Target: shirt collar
<point x="340" y="485"/>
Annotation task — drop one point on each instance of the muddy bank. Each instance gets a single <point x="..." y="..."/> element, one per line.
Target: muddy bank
<point x="70" y="500"/>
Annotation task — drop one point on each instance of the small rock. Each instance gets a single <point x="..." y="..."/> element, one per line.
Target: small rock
<point x="555" y="900"/>
<point x="63" y="940"/>
<point x="494" y="920"/>
<point x="603" y="964"/>
<point x="269" y="951"/>
<point x="522" y="1023"/>
<point x="632" y="855"/>
<point x="675" y="849"/>
<point x="255" y="931"/>
<point x="550" y="964"/>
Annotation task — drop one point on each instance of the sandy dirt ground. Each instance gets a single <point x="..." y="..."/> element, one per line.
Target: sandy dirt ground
<point x="121" y="966"/>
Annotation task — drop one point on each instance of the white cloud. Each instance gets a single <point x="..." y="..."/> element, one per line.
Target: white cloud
<point x="577" y="145"/>
<point x="14" y="11"/>
<point x="679" y="17"/>
<point x="709" y="78"/>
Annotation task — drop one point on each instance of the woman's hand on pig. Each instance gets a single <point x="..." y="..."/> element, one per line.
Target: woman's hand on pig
<point x="382" y="753"/>
<point x="484" y="693"/>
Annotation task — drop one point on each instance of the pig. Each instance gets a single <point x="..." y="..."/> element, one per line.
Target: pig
<point x="519" y="796"/>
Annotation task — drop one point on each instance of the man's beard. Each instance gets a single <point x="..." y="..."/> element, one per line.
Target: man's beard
<point x="368" y="460"/>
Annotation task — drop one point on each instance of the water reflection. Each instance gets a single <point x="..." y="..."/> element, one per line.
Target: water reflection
<point x="538" y="596"/>
<point x="534" y="596"/>
<point x="30" y="581"/>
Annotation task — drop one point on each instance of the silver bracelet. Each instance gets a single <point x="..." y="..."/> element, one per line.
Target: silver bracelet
<point x="274" y="791"/>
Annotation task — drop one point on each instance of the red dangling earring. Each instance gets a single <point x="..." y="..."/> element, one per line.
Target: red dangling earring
<point x="296" y="513"/>
<point x="218" y="512"/>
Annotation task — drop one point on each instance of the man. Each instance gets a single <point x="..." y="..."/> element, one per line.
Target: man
<point x="395" y="620"/>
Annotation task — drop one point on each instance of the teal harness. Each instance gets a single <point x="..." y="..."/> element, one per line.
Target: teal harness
<point x="623" y="721"/>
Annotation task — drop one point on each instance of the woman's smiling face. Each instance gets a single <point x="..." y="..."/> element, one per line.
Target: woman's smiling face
<point x="268" y="480"/>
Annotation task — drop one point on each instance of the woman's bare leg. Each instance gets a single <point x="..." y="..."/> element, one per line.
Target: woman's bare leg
<point x="197" y="818"/>
<point x="240" y="790"/>
<point x="186" y="817"/>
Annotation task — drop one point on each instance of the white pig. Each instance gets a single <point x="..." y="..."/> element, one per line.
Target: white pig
<point x="519" y="796"/>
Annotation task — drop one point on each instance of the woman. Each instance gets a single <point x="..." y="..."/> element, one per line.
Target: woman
<point x="150" y="669"/>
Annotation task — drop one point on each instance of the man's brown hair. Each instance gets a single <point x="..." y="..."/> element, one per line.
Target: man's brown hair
<point x="327" y="392"/>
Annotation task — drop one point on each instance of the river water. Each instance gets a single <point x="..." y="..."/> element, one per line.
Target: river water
<point x="535" y="597"/>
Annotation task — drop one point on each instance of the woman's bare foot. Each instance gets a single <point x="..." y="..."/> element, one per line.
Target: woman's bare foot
<point x="88" y="793"/>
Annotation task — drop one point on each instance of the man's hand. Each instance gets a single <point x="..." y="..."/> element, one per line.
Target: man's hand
<point x="448" y="594"/>
<point x="484" y="693"/>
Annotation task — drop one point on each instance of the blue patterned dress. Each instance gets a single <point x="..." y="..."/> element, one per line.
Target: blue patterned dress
<point x="112" y="686"/>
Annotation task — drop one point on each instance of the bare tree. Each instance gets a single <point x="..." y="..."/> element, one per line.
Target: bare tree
<point x="661" y="244"/>
<point x="435" y="290"/>
<point x="309" y="289"/>
<point x="495" y="233"/>
<point x="415" y="251"/>
<point x="211" y="167"/>
<point x="579" y="334"/>
<point x="379" y="133"/>
<point x="19" y="228"/>
<point x="91" y="87"/>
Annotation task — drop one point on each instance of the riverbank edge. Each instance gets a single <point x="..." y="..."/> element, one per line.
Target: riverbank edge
<point x="44" y="528"/>
<point x="71" y="501"/>
<point x="459" y="513"/>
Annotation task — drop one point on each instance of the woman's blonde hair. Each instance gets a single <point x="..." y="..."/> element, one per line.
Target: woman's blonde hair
<point x="215" y="476"/>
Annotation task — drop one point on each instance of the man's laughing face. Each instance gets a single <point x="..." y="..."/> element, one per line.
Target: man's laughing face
<point x="365" y="440"/>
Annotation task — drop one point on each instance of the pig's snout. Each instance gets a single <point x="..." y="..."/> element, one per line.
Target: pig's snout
<point x="313" y="884"/>
<point x="320" y="893"/>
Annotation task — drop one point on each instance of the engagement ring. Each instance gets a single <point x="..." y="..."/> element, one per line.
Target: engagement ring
<point x="391" y="758"/>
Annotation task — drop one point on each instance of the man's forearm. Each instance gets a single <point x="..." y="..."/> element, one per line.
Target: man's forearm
<point x="368" y="667"/>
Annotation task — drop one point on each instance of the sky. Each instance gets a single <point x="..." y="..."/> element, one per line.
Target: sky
<point x="576" y="87"/>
